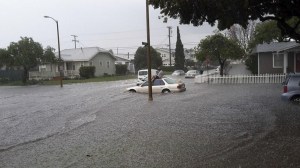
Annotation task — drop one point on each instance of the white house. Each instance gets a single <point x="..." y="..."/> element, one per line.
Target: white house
<point x="125" y="61"/>
<point x="190" y="54"/>
<point x="165" y="55"/>
<point x="73" y="59"/>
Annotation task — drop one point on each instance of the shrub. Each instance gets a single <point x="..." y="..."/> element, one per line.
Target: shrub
<point x="121" y="69"/>
<point x="87" y="71"/>
<point x="168" y="68"/>
<point x="251" y="63"/>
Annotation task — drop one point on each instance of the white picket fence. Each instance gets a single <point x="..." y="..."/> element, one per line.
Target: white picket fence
<point x="236" y="79"/>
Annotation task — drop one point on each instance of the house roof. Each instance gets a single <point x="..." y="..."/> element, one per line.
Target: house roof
<point x="275" y="47"/>
<point x="82" y="54"/>
<point x="122" y="59"/>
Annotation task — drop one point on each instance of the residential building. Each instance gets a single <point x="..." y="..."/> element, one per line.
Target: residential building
<point x="165" y="55"/>
<point x="73" y="59"/>
<point x="277" y="57"/>
<point x="125" y="61"/>
<point x="189" y="54"/>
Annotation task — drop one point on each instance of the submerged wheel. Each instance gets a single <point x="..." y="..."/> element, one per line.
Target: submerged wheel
<point x="165" y="91"/>
<point x="296" y="99"/>
<point x="132" y="91"/>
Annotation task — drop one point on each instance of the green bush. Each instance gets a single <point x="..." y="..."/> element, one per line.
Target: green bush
<point x="87" y="71"/>
<point x="121" y="69"/>
<point x="168" y="68"/>
<point x="251" y="63"/>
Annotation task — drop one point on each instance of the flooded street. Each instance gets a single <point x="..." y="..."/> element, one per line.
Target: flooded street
<point x="101" y="125"/>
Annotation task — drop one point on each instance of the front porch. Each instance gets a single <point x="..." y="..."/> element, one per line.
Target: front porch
<point x="291" y="62"/>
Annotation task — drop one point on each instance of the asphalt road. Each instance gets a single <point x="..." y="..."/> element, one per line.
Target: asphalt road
<point x="101" y="125"/>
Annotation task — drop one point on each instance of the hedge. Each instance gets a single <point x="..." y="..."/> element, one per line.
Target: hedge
<point x="87" y="71"/>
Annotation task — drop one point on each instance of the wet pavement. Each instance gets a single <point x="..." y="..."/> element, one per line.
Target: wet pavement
<point x="101" y="125"/>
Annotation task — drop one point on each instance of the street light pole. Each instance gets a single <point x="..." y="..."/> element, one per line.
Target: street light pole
<point x="148" y="53"/>
<point x="59" y="56"/>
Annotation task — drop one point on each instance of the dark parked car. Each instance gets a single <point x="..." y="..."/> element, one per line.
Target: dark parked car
<point x="291" y="88"/>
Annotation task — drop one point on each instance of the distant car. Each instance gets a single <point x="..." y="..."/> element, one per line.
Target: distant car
<point x="164" y="85"/>
<point x="178" y="73"/>
<point x="291" y="88"/>
<point x="192" y="73"/>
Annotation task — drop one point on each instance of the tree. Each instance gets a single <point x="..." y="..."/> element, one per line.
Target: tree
<point x="25" y="53"/>
<point x="230" y="12"/>
<point x="5" y="58"/>
<point x="218" y="47"/>
<point x="179" y="52"/>
<point x="140" y="58"/>
<point x="243" y="36"/>
<point x="266" y="32"/>
<point x="49" y="56"/>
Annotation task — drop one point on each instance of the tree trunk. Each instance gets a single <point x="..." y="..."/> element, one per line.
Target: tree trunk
<point x="25" y="76"/>
<point x="221" y="69"/>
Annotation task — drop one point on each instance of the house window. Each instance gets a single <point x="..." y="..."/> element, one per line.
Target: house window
<point x="108" y="64"/>
<point x="91" y="63"/>
<point x="100" y="63"/>
<point x="73" y="67"/>
<point x="277" y="60"/>
<point x="81" y="64"/>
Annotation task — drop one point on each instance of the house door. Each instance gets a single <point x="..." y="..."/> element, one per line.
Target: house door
<point x="298" y="62"/>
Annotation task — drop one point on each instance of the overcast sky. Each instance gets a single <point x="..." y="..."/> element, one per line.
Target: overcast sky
<point x="119" y="25"/>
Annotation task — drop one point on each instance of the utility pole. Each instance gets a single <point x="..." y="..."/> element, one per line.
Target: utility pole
<point x="149" y="60"/>
<point x="169" y="27"/>
<point x="75" y="41"/>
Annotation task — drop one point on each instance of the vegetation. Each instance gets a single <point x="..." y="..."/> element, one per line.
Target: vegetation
<point x="140" y="58"/>
<point x="5" y="58"/>
<point x="121" y="69"/>
<point x="230" y="12"/>
<point x="87" y="71"/>
<point x="218" y="48"/>
<point x="179" y="52"/>
<point x="251" y="63"/>
<point x="243" y="36"/>
<point x="25" y="54"/>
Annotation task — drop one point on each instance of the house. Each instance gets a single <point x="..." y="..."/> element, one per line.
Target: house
<point x="277" y="57"/>
<point x="73" y="59"/>
<point x="165" y="55"/>
<point x="124" y="61"/>
<point x="189" y="54"/>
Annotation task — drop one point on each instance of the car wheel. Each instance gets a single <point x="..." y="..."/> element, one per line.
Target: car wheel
<point x="132" y="91"/>
<point x="166" y="91"/>
<point x="296" y="99"/>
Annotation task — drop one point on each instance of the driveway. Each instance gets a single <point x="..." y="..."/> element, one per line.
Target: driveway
<point x="238" y="69"/>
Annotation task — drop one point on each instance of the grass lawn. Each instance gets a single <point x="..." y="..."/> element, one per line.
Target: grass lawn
<point x="70" y="81"/>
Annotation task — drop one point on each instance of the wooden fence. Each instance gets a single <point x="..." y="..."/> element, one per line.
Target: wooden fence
<point x="237" y="79"/>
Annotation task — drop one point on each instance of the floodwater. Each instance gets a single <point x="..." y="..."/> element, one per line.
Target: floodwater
<point x="101" y="125"/>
